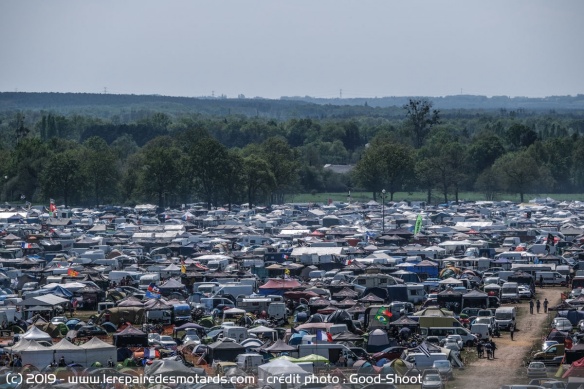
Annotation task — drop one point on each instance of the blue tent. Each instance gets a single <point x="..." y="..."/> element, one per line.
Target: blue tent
<point x="59" y="291"/>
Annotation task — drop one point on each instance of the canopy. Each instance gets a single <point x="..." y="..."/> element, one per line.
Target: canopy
<point x="36" y="334"/>
<point x="97" y="350"/>
<point x="71" y="353"/>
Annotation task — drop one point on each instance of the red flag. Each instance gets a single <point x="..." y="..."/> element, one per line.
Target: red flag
<point x="329" y="337"/>
<point x="72" y="273"/>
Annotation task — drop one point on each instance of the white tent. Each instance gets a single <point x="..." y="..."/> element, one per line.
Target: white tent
<point x="37" y="355"/>
<point x="280" y="367"/>
<point x="71" y="352"/>
<point x="37" y="334"/>
<point x="99" y="351"/>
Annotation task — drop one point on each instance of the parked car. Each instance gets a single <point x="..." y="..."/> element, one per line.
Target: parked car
<point x="548" y="383"/>
<point x="580" y="325"/>
<point x="29" y="286"/>
<point x="389" y="353"/>
<point x="433" y="339"/>
<point x="562" y="324"/>
<point x="536" y="369"/>
<point x="444" y="368"/>
<point x="90" y="330"/>
<point x="432" y="381"/>
<point x="59" y="319"/>
<point x="547" y="343"/>
<point x="525" y="292"/>
<point x="453" y="338"/>
<point x="164" y="341"/>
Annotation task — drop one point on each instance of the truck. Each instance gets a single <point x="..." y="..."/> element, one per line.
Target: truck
<point x="181" y="312"/>
<point x="510" y="292"/>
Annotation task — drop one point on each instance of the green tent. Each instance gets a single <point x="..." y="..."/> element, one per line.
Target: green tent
<point x="314" y="358"/>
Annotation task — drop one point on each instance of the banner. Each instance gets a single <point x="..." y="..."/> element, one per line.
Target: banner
<point x="418" y="227"/>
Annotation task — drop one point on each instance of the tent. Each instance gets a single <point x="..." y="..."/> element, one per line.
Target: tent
<point x="475" y="299"/>
<point x="36" y="354"/>
<point x="277" y="286"/>
<point x="225" y="350"/>
<point x="280" y="368"/>
<point x="131" y="337"/>
<point x="36" y="334"/>
<point x="377" y="341"/>
<point x="97" y="350"/>
<point x="170" y="368"/>
<point x="279" y="347"/>
<point x="71" y="353"/>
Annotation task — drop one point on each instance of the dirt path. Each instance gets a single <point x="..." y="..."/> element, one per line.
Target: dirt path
<point x="507" y="367"/>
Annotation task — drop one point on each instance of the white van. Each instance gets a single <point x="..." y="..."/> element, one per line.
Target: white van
<point x="505" y="317"/>
<point x="550" y="278"/>
<point x="249" y="362"/>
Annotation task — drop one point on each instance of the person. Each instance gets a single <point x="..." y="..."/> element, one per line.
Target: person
<point x="512" y="329"/>
<point x="531" y="306"/>
<point x="110" y="363"/>
<point x="480" y="349"/>
<point x="545" y="305"/>
<point x="17" y="361"/>
<point x="567" y="280"/>
<point x="537" y="305"/>
<point x="493" y="347"/>
<point x="62" y="361"/>
<point x="541" y="280"/>
<point x="488" y="349"/>
<point x="342" y="361"/>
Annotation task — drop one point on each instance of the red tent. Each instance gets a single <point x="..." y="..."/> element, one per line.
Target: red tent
<point x="576" y="370"/>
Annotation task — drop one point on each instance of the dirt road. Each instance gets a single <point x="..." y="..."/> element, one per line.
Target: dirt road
<point x="508" y="365"/>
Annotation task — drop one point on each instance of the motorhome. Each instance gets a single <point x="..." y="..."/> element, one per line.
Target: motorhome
<point x="510" y="292"/>
<point x="550" y="278"/>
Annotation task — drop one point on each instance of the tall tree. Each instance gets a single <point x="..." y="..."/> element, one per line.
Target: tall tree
<point x="258" y="177"/>
<point x="160" y="172"/>
<point x="207" y="158"/>
<point x="284" y="165"/>
<point x="62" y="176"/>
<point x="101" y="169"/>
<point x="420" y="119"/>
<point x="520" y="173"/>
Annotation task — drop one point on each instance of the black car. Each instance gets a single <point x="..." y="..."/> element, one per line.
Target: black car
<point x="90" y="330"/>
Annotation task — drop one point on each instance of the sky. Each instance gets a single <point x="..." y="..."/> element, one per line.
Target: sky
<point x="274" y="48"/>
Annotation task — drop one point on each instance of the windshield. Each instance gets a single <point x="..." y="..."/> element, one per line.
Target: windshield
<point x="503" y="316"/>
<point x="432" y="377"/>
<point x="441" y="364"/>
<point x="184" y="311"/>
<point x="509" y="290"/>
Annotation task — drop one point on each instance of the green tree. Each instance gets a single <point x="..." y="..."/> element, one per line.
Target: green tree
<point x="519" y="173"/>
<point x="258" y="177"/>
<point x="160" y="172"/>
<point x="100" y="166"/>
<point x="62" y="176"/>
<point x="284" y="165"/>
<point x="420" y="119"/>
<point x="208" y="167"/>
<point x="520" y="136"/>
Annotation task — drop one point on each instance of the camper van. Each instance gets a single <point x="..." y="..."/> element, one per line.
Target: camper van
<point x="510" y="292"/>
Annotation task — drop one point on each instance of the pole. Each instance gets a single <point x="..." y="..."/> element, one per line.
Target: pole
<point x="383" y="212"/>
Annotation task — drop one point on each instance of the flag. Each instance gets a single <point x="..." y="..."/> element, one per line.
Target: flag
<point x="323" y="336"/>
<point x="183" y="268"/>
<point x="151" y="295"/>
<point x="550" y="239"/>
<point x="418" y="225"/>
<point x="383" y="314"/>
<point x="24" y="245"/>
<point x="52" y="206"/>
<point x="287" y="272"/>
<point x="72" y="273"/>
<point x="423" y="348"/>
<point x="153" y="288"/>
<point x="151" y="353"/>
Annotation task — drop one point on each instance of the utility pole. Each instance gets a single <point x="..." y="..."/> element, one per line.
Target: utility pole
<point x="340" y="94"/>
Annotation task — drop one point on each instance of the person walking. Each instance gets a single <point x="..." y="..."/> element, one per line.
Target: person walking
<point x="537" y="305"/>
<point x="493" y="347"/>
<point x="541" y="280"/>
<point x="531" y="306"/>
<point x="480" y="349"/>
<point x="512" y="329"/>
<point x="488" y="349"/>
<point x="545" y="305"/>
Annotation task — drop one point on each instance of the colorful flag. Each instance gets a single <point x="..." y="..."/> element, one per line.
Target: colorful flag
<point x="323" y="336"/>
<point x="151" y="295"/>
<point x="418" y="225"/>
<point x="287" y="272"/>
<point x="151" y="353"/>
<point x="153" y="288"/>
<point x="383" y="314"/>
<point x="24" y="245"/>
<point x="183" y="268"/>
<point x="72" y="273"/>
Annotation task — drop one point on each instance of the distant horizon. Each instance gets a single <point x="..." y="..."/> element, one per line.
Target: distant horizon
<point x="296" y="96"/>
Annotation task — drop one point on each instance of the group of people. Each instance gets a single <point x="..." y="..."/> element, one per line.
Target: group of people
<point x="488" y="347"/>
<point x="538" y="305"/>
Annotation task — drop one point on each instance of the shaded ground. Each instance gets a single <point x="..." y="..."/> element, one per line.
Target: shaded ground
<point x="508" y="366"/>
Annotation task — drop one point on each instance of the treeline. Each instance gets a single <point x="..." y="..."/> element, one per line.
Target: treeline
<point x="171" y="158"/>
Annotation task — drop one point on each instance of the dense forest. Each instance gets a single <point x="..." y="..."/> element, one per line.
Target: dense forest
<point x="83" y="149"/>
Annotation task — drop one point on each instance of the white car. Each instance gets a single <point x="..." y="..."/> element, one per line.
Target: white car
<point x="525" y="292"/>
<point x="456" y="338"/>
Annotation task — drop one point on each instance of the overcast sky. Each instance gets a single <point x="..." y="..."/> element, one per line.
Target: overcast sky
<point x="272" y="48"/>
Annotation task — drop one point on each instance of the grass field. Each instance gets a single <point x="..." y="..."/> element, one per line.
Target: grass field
<point x="421" y="196"/>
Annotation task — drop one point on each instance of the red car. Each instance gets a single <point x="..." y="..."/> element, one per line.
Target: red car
<point x="389" y="353"/>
